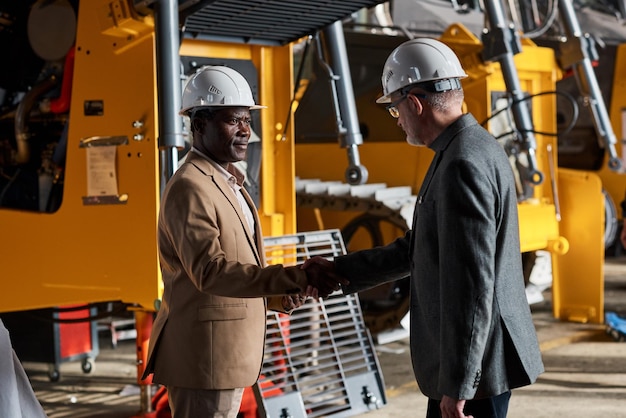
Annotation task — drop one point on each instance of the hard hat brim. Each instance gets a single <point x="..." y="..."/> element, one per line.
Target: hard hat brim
<point x="384" y="99"/>
<point x="186" y="111"/>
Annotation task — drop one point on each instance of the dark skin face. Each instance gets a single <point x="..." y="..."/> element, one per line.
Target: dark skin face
<point x="223" y="137"/>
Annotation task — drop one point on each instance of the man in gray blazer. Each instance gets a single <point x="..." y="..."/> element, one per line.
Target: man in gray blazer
<point x="208" y="337"/>
<point x="471" y="332"/>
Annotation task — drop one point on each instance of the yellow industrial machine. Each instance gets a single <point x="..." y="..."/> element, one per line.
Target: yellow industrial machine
<point x="82" y="225"/>
<point x="89" y="134"/>
<point x="544" y="216"/>
<point x="611" y="65"/>
<point x="561" y="210"/>
<point x="587" y="38"/>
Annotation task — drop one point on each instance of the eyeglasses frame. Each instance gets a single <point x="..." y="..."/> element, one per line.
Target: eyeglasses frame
<point x="392" y="107"/>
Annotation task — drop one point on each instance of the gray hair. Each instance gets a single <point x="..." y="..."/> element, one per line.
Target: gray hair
<point x="443" y="101"/>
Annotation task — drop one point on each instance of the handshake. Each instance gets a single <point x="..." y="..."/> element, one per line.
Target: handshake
<point x="323" y="280"/>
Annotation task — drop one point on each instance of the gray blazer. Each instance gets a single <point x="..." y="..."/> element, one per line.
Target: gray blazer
<point x="472" y="334"/>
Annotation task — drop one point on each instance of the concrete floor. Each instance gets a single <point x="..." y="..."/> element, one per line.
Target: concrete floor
<point x="585" y="377"/>
<point x="585" y="372"/>
<point x="585" y="368"/>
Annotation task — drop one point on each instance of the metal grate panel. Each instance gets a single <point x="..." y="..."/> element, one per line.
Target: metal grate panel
<point x="271" y="22"/>
<point x="320" y="360"/>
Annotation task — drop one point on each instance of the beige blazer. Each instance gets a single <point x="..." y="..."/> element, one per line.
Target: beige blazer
<point x="209" y="332"/>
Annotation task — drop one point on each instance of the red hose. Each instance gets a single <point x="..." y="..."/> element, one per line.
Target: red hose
<point x="62" y="103"/>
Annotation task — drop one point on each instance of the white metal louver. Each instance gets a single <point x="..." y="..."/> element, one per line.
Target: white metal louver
<point x="320" y="360"/>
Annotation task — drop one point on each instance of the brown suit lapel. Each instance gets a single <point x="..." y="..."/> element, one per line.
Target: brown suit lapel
<point x="207" y="168"/>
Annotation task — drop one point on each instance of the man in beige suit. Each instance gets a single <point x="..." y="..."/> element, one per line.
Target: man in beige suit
<point x="208" y="337"/>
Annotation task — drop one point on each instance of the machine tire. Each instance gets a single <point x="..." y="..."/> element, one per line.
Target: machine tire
<point x="371" y="223"/>
<point x="383" y="306"/>
<point x="611" y="223"/>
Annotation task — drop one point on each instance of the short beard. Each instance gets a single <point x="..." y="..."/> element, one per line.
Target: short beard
<point x="415" y="141"/>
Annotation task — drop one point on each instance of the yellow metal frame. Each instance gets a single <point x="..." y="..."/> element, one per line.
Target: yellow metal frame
<point x="274" y="65"/>
<point x="578" y="286"/>
<point x="98" y="252"/>
<point x="87" y="253"/>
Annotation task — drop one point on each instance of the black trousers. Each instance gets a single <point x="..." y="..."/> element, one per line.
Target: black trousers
<point x="495" y="407"/>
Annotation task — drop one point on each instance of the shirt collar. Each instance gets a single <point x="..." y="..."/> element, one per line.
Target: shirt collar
<point x="231" y="174"/>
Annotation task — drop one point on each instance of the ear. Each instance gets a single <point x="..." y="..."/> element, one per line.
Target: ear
<point x="419" y="107"/>
<point x="197" y="125"/>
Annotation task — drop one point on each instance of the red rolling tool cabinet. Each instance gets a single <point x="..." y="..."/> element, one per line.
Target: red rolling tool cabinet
<point x="54" y="336"/>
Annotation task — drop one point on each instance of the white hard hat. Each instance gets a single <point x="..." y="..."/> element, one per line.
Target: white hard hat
<point x="421" y="60"/>
<point x="217" y="86"/>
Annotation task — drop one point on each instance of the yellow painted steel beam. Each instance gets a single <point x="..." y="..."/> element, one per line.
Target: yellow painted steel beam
<point x="539" y="229"/>
<point x="278" y="200"/>
<point x="578" y="286"/>
<point x="275" y="67"/>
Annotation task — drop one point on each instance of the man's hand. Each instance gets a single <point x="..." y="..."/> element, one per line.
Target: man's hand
<point x="291" y="302"/>
<point x="452" y="408"/>
<point x="323" y="279"/>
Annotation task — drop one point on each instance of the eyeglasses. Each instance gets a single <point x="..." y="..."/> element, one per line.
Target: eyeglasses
<point x="392" y="107"/>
